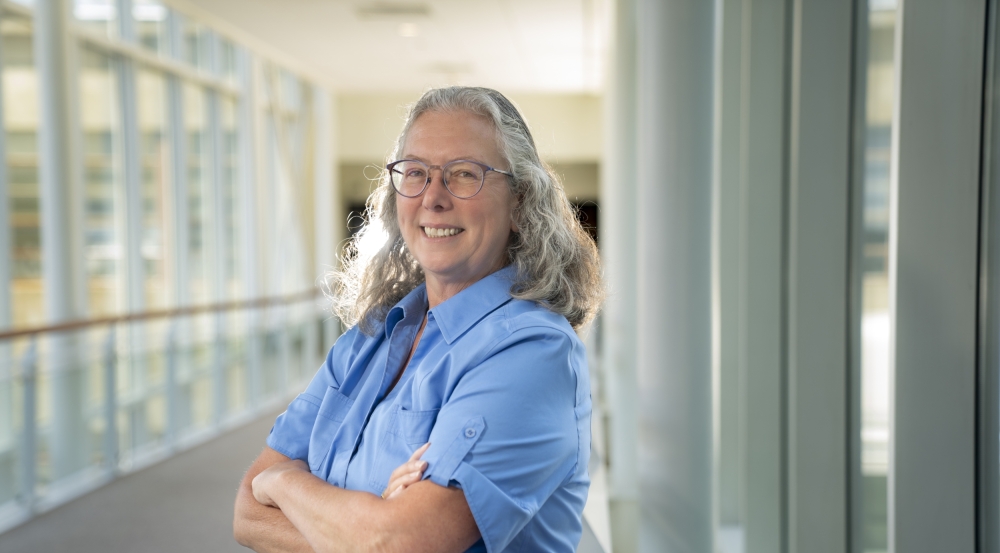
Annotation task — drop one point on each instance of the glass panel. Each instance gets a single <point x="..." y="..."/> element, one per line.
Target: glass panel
<point x="103" y="190"/>
<point x="198" y="182"/>
<point x="98" y="15"/>
<point x="236" y="359"/>
<point x="20" y="112"/>
<point x="155" y="168"/>
<point x="150" y="18"/>
<point x="196" y="39"/>
<point x="227" y="60"/>
<point x="141" y="375"/>
<point x="21" y="116"/>
<point x="290" y="92"/>
<point x="231" y="204"/>
<point x="875" y="320"/>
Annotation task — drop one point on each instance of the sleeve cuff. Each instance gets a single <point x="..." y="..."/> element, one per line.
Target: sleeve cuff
<point x="499" y="518"/>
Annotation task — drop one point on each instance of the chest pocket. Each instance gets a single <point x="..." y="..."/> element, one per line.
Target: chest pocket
<point x="331" y="414"/>
<point x="407" y="431"/>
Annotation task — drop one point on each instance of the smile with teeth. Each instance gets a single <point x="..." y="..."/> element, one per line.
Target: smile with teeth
<point x="441" y="232"/>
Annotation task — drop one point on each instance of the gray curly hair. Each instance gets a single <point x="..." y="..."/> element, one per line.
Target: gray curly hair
<point x="556" y="262"/>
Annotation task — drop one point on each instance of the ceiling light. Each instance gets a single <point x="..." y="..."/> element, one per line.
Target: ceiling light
<point x="393" y="10"/>
<point x="408" y="30"/>
<point x="95" y="12"/>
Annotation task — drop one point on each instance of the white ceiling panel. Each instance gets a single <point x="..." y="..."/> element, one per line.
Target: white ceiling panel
<point x="363" y="45"/>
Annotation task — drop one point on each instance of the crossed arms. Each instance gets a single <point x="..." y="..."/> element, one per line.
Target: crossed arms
<point x="282" y="507"/>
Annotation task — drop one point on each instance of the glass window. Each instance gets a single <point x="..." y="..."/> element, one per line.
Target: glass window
<point x="97" y="15"/>
<point x="231" y="204"/>
<point x="21" y="116"/>
<point x="227" y="60"/>
<point x="290" y="92"/>
<point x="103" y="191"/>
<point x="150" y="18"/>
<point x="875" y="319"/>
<point x="155" y="170"/>
<point x="196" y="46"/>
<point x="20" y="113"/>
<point x="198" y="182"/>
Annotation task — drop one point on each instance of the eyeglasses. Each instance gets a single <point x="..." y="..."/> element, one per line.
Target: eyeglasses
<point x="463" y="178"/>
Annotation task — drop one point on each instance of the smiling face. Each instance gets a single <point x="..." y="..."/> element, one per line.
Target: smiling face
<point x="455" y="241"/>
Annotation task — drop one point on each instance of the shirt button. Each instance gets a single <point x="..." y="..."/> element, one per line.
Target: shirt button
<point x="470" y="432"/>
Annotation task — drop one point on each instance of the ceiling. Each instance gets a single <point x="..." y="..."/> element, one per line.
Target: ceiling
<point x="379" y="46"/>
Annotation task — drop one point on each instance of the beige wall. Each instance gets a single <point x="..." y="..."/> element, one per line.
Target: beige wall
<point x="566" y="128"/>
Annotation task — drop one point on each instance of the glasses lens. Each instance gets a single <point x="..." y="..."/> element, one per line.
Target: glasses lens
<point x="408" y="177"/>
<point x="464" y="179"/>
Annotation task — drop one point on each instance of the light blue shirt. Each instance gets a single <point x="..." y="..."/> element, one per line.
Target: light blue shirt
<point x="499" y="387"/>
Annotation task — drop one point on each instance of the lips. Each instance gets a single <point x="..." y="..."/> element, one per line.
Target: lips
<point x="440" y="232"/>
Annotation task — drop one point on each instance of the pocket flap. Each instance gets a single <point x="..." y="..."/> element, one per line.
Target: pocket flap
<point x="335" y="405"/>
<point x="414" y="427"/>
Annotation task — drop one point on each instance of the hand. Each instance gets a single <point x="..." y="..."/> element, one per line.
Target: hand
<point x="406" y="474"/>
<point x="264" y="482"/>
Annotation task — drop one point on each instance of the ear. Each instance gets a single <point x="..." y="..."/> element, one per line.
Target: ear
<point x="513" y="218"/>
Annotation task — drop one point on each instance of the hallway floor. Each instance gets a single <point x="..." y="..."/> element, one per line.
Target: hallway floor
<point x="184" y="503"/>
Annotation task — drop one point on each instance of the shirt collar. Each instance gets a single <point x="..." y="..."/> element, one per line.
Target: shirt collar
<point x="413" y="304"/>
<point x="458" y="313"/>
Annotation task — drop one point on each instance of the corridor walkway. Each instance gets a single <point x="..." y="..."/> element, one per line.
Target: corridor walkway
<point x="184" y="504"/>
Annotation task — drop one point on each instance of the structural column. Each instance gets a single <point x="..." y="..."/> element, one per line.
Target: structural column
<point x="675" y="45"/>
<point x="933" y="273"/>
<point x="619" y="203"/>
<point x="251" y="266"/>
<point x="329" y="214"/>
<point x="818" y="296"/>
<point x="59" y="199"/>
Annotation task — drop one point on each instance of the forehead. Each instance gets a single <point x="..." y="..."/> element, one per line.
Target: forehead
<point x="451" y="135"/>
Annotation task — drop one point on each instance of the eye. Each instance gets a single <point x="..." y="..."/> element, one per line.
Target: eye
<point x="415" y="173"/>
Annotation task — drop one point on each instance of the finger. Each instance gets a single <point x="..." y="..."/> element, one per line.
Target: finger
<point x="402" y="481"/>
<point x="420" y="451"/>
<point x="405" y="478"/>
<point x="407" y="468"/>
<point x="409" y="480"/>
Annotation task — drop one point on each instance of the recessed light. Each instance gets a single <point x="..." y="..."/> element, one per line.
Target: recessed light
<point x="408" y="30"/>
<point x="393" y="10"/>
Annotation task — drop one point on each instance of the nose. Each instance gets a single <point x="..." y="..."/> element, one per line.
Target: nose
<point x="436" y="196"/>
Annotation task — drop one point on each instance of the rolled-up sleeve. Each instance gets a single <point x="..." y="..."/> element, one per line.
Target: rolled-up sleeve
<point x="290" y="433"/>
<point x="507" y="435"/>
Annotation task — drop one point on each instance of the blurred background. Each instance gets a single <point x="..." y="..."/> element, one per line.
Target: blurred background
<point x="794" y="199"/>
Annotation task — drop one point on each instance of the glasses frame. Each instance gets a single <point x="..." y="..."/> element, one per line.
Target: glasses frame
<point x="486" y="169"/>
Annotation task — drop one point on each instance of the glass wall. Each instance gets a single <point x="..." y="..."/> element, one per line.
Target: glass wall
<point x="103" y="186"/>
<point x="20" y="114"/>
<point x="156" y="189"/>
<point x="155" y="157"/>
<point x="198" y="180"/>
<point x="150" y="17"/>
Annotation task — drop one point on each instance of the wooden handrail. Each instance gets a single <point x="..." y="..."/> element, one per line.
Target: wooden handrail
<point x="159" y="314"/>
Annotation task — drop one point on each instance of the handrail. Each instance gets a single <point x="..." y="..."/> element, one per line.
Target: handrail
<point x="159" y="314"/>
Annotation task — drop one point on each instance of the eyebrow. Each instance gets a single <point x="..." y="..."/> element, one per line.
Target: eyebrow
<point x="465" y="158"/>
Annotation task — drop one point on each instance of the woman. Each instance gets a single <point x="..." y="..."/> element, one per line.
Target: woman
<point x="455" y="414"/>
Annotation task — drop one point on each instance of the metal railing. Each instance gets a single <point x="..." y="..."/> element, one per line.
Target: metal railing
<point x="84" y="401"/>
